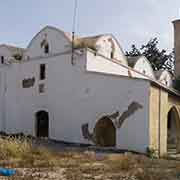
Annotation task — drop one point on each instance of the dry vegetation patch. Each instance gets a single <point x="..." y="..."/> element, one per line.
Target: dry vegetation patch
<point x="20" y="152"/>
<point x="37" y="162"/>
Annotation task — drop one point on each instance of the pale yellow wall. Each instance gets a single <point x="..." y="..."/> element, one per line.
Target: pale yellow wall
<point x="177" y="47"/>
<point x="161" y="103"/>
<point x="154" y="118"/>
<point x="163" y="121"/>
<point x="158" y="119"/>
<point x="173" y="101"/>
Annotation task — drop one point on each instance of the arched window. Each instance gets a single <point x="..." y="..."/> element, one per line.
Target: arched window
<point x="112" y="48"/>
<point x="42" y="74"/>
<point x="166" y="82"/>
<point x="112" y="54"/>
<point x="45" y="44"/>
<point x="46" y="48"/>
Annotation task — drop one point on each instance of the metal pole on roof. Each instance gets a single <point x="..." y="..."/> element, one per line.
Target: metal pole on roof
<point x="74" y="29"/>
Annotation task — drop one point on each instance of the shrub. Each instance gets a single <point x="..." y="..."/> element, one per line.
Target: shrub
<point x="152" y="153"/>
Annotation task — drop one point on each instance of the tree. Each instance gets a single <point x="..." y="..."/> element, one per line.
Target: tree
<point x="134" y="51"/>
<point x="159" y="58"/>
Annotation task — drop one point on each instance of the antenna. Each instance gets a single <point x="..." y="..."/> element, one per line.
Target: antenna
<point x="74" y="29"/>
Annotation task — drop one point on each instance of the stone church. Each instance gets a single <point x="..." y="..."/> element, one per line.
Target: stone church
<point x="91" y="95"/>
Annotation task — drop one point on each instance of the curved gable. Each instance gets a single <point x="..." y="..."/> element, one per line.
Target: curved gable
<point x="5" y="54"/>
<point x="56" y="40"/>
<point x="10" y="53"/>
<point x="108" y="46"/>
<point x="164" y="77"/>
<point x="4" y="51"/>
<point x="142" y="65"/>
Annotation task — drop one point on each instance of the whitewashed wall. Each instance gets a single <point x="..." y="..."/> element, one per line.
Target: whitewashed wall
<point x="1" y="101"/>
<point x="73" y="97"/>
<point x="57" y="40"/>
<point x="98" y="63"/>
<point x="6" y="53"/>
<point x="3" y="71"/>
<point x="105" y="45"/>
<point x="143" y="66"/>
<point x="165" y="78"/>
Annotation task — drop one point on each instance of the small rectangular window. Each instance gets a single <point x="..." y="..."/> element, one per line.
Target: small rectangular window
<point x="41" y="88"/>
<point x="42" y="71"/>
<point x="46" y="49"/>
<point x="112" y="55"/>
<point x="2" y="59"/>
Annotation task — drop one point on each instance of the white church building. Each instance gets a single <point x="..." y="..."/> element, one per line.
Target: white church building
<point x="95" y="96"/>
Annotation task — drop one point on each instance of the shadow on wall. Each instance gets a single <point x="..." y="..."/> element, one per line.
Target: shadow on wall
<point x="104" y="133"/>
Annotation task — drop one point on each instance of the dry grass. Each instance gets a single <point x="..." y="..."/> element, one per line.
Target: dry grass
<point x="20" y="152"/>
<point x="14" y="148"/>
<point x="42" y="163"/>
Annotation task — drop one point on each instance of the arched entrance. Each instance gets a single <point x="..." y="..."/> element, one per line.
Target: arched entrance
<point x="173" y="130"/>
<point x="105" y="132"/>
<point x="42" y="124"/>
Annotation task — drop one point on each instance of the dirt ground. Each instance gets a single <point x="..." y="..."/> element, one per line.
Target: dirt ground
<point x="89" y="165"/>
<point x="58" y="161"/>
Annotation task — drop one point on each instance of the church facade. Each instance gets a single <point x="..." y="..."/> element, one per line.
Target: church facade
<point x="95" y="95"/>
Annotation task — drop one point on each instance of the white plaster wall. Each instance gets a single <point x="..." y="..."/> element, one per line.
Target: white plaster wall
<point x="22" y="103"/>
<point x="1" y="101"/>
<point x="74" y="96"/>
<point x="166" y="78"/>
<point x="57" y="40"/>
<point x="4" y="51"/>
<point x="85" y="96"/>
<point x="97" y="63"/>
<point x="104" y="47"/>
<point x="134" y="132"/>
<point x="2" y="97"/>
<point x="144" y="67"/>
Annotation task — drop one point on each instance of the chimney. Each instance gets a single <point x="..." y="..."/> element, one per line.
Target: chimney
<point x="177" y="46"/>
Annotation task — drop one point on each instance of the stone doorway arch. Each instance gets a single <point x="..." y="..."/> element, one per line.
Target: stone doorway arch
<point x="105" y="132"/>
<point x="42" y="124"/>
<point x="173" y="129"/>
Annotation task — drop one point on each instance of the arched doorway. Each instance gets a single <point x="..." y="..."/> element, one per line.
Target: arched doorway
<point x="105" y="132"/>
<point x="173" y="130"/>
<point x="42" y="124"/>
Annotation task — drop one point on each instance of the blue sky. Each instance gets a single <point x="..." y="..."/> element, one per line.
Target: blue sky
<point x="132" y="22"/>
